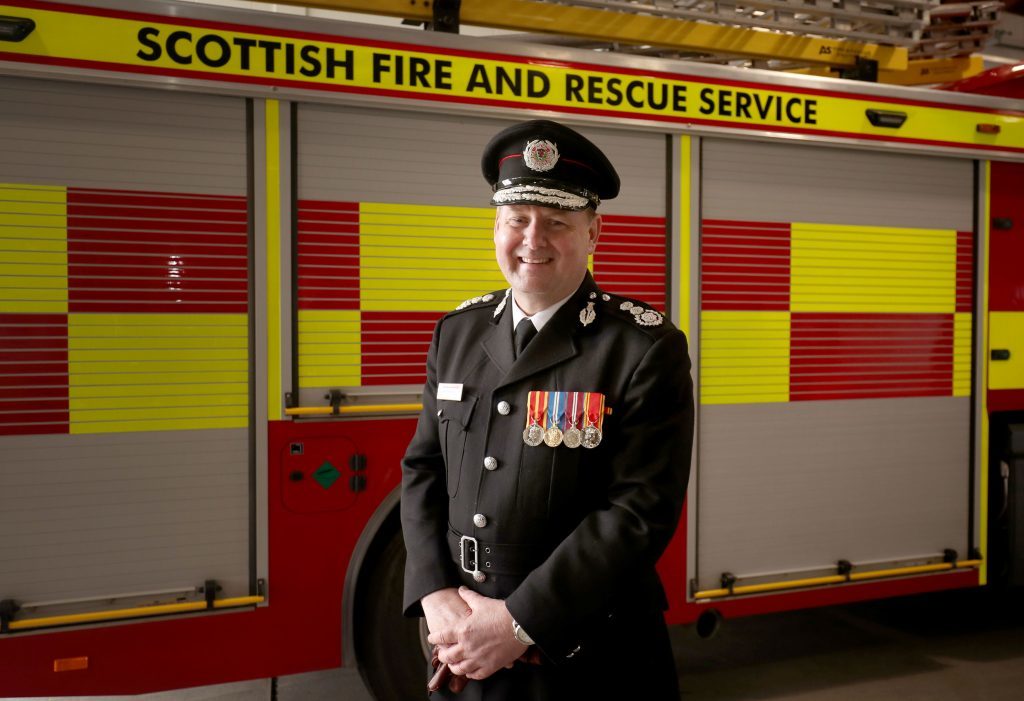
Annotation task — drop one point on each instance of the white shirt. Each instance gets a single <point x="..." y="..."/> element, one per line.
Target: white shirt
<point x="540" y="318"/>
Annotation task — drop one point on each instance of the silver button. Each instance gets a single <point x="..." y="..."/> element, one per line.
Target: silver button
<point x="479" y="520"/>
<point x="490" y="463"/>
<point x="504" y="408"/>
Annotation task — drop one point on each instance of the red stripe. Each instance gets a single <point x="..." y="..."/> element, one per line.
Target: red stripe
<point x="329" y="305"/>
<point x="632" y="219"/>
<point x="169" y="285"/>
<point x="345" y="241"/>
<point x="152" y="198"/>
<point x="78" y="295"/>
<point x="129" y="211"/>
<point x="30" y="380"/>
<point x="30" y="393"/>
<point x="81" y="240"/>
<point x="307" y="215"/>
<point x="743" y="224"/>
<point x="168" y="249"/>
<point x="313" y="272"/>
<point x="91" y="226"/>
<point x="964" y="271"/>
<point x="1006" y="399"/>
<point x="133" y="260"/>
<point x="192" y="271"/>
<point x="310" y="284"/>
<point x="34" y="356"/>
<point x="32" y="404"/>
<point x="26" y="429"/>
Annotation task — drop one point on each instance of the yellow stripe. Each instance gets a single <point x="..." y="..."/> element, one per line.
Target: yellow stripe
<point x="744" y="357"/>
<point x="145" y="372"/>
<point x="685" y="212"/>
<point x="144" y="392"/>
<point x="840" y="268"/>
<point x="329" y="348"/>
<point x="962" y="322"/>
<point x="983" y="370"/>
<point x="275" y="398"/>
<point x="158" y="425"/>
<point x="424" y="257"/>
<point x="33" y="249"/>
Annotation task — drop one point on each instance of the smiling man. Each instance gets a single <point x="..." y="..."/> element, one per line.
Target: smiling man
<point x="550" y="463"/>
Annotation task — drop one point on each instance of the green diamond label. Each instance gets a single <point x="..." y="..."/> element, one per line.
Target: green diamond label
<point x="326" y="475"/>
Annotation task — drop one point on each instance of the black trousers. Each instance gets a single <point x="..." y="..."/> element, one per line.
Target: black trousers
<point x="632" y="659"/>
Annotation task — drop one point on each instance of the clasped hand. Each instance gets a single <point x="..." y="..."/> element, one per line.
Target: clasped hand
<point x="473" y="633"/>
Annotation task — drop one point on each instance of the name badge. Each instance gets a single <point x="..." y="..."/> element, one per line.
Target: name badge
<point x="452" y="391"/>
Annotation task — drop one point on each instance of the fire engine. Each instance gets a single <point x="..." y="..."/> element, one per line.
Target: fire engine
<point x="225" y="238"/>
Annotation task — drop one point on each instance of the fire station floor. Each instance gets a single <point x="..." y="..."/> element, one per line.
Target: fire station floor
<point x="960" y="645"/>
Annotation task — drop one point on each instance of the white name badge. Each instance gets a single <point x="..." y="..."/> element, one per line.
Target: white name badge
<point x="452" y="391"/>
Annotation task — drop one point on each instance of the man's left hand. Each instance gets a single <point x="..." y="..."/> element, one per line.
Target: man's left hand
<point x="483" y="640"/>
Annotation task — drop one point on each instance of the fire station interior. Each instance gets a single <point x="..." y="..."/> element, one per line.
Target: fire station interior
<point x="177" y="457"/>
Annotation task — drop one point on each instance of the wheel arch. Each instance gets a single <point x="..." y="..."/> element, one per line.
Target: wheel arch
<point x="382" y="523"/>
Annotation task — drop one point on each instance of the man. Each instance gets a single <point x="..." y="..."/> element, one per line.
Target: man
<point x="550" y="463"/>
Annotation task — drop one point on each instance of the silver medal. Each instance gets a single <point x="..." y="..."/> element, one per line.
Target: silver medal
<point x="572" y="438"/>
<point x="553" y="437"/>
<point x="591" y="437"/>
<point x="533" y="435"/>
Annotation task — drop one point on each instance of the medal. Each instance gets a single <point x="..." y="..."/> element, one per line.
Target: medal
<point x="556" y="410"/>
<point x="533" y="435"/>
<point x="573" y="436"/>
<point x="594" y="415"/>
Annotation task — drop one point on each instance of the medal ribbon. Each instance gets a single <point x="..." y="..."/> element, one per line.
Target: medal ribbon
<point x="536" y="406"/>
<point x="595" y="409"/>
<point x="575" y="415"/>
<point x="556" y="408"/>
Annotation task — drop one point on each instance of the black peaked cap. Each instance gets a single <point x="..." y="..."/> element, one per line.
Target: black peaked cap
<point x="546" y="163"/>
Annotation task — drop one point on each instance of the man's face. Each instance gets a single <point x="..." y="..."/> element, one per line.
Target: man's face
<point x="542" y="251"/>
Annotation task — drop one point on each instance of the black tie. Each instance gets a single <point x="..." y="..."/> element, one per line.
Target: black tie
<point x="525" y="331"/>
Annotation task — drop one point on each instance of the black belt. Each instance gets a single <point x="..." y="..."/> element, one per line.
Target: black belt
<point x="475" y="555"/>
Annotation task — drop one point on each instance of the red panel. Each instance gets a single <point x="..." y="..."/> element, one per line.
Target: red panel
<point x="631" y="258"/>
<point x="156" y="200"/>
<point x="33" y="374"/>
<point x="1006" y="274"/>
<point x="858" y="356"/>
<point x="1005" y="400"/>
<point x="394" y="346"/>
<point x="159" y="243"/>
<point x="965" y="271"/>
<point x="328" y="252"/>
<point x="745" y="266"/>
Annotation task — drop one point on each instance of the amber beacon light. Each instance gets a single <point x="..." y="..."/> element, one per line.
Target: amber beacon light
<point x="15" y="28"/>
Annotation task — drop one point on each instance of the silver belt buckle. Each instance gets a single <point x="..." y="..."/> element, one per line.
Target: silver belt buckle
<point x="478" y="576"/>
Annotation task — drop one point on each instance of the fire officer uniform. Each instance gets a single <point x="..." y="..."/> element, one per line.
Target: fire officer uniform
<point x="554" y="479"/>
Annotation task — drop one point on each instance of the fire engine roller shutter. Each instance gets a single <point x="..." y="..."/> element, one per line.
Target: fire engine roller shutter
<point x="124" y="333"/>
<point x="395" y="230"/>
<point x="835" y="359"/>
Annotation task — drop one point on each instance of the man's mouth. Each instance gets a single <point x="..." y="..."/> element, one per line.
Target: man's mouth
<point x="534" y="261"/>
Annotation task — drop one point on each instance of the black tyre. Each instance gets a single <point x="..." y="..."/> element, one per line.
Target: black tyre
<point x="391" y="648"/>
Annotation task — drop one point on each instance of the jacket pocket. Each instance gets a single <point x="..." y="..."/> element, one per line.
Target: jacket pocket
<point x="453" y="429"/>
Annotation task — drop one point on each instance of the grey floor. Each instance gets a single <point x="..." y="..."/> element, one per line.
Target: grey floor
<point x="951" y="646"/>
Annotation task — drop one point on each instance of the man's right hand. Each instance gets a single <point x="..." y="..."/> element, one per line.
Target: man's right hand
<point x="444" y="609"/>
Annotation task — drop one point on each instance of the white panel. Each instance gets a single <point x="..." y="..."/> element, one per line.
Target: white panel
<point x="789" y="182"/>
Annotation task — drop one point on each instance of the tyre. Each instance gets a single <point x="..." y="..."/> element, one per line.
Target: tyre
<point x="391" y="649"/>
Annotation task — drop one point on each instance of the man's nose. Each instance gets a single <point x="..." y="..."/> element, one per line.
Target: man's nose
<point x="533" y="235"/>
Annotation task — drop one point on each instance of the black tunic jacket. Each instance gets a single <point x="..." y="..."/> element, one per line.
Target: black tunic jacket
<point x="575" y="532"/>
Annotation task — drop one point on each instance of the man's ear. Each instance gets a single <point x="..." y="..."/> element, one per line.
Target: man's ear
<point x="594" y="232"/>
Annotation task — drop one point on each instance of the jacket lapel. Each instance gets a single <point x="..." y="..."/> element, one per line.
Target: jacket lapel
<point x="555" y="343"/>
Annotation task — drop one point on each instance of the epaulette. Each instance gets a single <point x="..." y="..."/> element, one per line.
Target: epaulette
<point x="482" y="299"/>
<point x="640" y="314"/>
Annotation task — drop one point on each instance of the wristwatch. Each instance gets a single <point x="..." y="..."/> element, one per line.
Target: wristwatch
<point x="521" y="635"/>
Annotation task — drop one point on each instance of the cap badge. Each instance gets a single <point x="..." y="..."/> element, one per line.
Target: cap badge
<point x="540" y="155"/>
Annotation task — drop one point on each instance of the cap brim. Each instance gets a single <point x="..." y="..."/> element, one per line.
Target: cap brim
<point x="542" y="196"/>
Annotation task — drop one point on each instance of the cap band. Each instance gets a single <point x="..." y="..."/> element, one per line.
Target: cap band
<point x="519" y="194"/>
